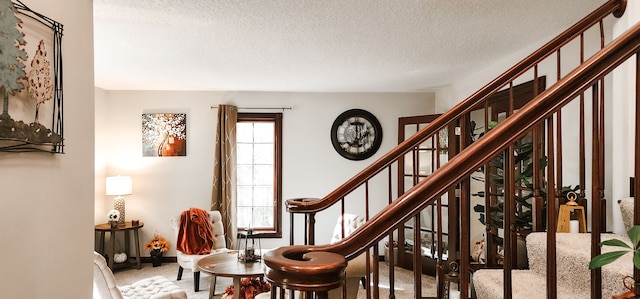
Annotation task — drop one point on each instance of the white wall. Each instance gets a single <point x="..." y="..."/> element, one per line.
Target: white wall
<point x="622" y="130"/>
<point x="163" y="187"/>
<point x="46" y="230"/>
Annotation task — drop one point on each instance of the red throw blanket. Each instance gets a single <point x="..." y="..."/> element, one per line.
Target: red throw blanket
<point x="195" y="235"/>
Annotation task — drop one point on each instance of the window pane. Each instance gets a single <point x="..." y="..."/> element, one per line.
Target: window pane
<point x="263" y="217"/>
<point x="244" y="216"/>
<point x="263" y="175"/>
<point x="244" y="132"/>
<point x="244" y="152"/>
<point x="244" y="175"/>
<point x="263" y="196"/>
<point x="263" y="132"/>
<point x="263" y="154"/>
<point x="245" y="196"/>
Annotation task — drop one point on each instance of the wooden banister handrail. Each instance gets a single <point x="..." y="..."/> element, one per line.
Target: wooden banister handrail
<point x="616" y="7"/>
<point x="314" y="271"/>
<point x="472" y="157"/>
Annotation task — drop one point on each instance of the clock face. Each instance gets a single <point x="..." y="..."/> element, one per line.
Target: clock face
<point x="356" y="134"/>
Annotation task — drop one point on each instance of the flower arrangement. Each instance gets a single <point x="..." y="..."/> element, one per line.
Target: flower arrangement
<point x="157" y="244"/>
<point x="249" y="288"/>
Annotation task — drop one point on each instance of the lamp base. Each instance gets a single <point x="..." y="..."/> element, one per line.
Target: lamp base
<point x="118" y="204"/>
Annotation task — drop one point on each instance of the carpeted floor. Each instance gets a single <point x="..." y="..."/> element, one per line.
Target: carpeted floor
<point x="403" y="281"/>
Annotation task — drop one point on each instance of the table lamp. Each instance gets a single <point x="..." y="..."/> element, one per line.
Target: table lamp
<point x="119" y="186"/>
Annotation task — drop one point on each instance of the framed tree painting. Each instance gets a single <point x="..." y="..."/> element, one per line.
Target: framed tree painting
<point x="30" y="80"/>
<point x="164" y="134"/>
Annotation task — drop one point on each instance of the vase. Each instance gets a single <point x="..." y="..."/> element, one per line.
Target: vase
<point x="156" y="257"/>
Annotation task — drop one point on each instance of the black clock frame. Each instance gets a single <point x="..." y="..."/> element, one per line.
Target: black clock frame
<point x="376" y="127"/>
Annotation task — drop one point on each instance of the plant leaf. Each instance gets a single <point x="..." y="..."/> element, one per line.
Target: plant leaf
<point x="605" y="258"/>
<point x="634" y="235"/>
<point x="615" y="242"/>
<point x="636" y="259"/>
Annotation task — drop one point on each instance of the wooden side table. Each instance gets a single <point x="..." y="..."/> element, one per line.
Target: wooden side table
<point x="126" y="228"/>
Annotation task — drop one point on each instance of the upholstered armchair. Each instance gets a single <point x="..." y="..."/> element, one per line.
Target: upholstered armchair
<point x="357" y="267"/>
<point x="190" y="261"/>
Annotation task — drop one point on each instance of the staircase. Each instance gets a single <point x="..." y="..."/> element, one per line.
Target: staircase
<point x="558" y="261"/>
<point x="573" y="274"/>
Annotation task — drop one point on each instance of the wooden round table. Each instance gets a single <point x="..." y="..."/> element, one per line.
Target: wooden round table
<point x="226" y="264"/>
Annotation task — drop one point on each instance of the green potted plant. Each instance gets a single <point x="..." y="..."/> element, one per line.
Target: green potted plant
<point x="524" y="194"/>
<point x="609" y="257"/>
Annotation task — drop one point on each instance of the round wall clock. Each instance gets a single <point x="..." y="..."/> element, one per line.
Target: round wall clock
<point x="356" y="134"/>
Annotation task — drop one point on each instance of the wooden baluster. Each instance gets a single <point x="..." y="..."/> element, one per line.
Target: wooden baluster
<point x="461" y="210"/>
<point x="596" y="274"/>
<point x="636" y="186"/>
<point x="417" y="257"/>
<point x="552" y="215"/>
<point x="291" y="228"/>
<point x="583" y="171"/>
<point x="392" y="248"/>
<point x="311" y="226"/>
<point x="538" y="183"/>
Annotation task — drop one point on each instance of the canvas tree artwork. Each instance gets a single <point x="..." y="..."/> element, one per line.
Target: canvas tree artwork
<point x="30" y="80"/>
<point x="164" y="134"/>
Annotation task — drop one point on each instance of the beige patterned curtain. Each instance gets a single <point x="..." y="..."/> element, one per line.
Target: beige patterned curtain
<point x="223" y="196"/>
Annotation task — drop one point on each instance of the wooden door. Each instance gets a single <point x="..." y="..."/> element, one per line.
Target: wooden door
<point x="416" y="165"/>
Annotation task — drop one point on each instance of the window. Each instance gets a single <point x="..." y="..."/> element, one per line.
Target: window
<point x="259" y="172"/>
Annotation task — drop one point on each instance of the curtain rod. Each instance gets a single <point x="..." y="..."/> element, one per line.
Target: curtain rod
<point x="259" y="108"/>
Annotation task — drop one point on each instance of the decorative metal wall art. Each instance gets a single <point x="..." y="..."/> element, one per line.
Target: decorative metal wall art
<point x="30" y="80"/>
<point x="164" y="134"/>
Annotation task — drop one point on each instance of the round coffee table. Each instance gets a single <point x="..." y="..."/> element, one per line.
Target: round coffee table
<point x="226" y="264"/>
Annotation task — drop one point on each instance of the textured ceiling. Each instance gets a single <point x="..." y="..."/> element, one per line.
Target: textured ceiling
<point x="314" y="45"/>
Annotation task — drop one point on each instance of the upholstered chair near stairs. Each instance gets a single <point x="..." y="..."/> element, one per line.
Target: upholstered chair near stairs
<point x="190" y="261"/>
<point x="149" y="288"/>
<point x="573" y="274"/>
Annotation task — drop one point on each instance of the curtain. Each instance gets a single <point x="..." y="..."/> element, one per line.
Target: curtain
<point x="223" y="195"/>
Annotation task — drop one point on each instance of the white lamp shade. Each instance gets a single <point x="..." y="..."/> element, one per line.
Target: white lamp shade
<point x="119" y="185"/>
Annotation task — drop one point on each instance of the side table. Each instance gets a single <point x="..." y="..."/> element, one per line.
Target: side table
<point x="126" y="228"/>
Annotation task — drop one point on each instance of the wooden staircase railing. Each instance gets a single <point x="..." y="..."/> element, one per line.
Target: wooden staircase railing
<point x="542" y="117"/>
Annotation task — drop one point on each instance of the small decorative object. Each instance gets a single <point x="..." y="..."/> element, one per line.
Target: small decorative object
<point x="356" y="134"/>
<point x="135" y="222"/>
<point x="630" y="287"/>
<point x="451" y="288"/>
<point x="156" y="247"/>
<point x="247" y="251"/>
<point x="113" y="216"/>
<point x="120" y="257"/>
<point x="478" y="253"/>
<point x="569" y="212"/>
<point x="249" y="288"/>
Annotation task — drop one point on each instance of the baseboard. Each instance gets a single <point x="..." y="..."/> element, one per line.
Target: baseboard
<point x="165" y="259"/>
